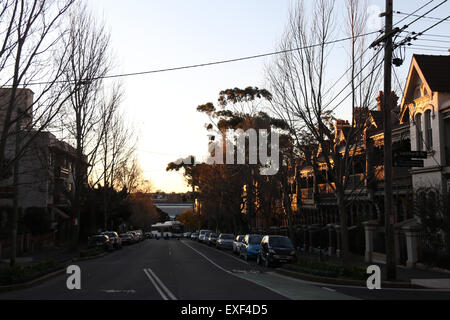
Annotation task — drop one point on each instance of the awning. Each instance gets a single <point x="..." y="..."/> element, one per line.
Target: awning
<point x="58" y="211"/>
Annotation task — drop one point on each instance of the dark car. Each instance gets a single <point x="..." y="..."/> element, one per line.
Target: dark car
<point x="126" y="238"/>
<point x="212" y="238"/>
<point x="276" y="250"/>
<point x="148" y="235"/>
<point x="100" y="241"/>
<point x="225" y="241"/>
<point x="116" y="241"/>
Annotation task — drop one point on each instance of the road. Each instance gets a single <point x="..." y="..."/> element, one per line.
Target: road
<point x="187" y="270"/>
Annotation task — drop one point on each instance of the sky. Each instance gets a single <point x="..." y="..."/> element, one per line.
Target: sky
<point x="156" y="34"/>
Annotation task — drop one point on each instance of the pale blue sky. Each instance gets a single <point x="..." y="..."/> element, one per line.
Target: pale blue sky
<point x="158" y="34"/>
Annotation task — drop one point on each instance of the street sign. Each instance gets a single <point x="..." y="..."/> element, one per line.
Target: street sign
<point x="408" y="163"/>
<point x="412" y="154"/>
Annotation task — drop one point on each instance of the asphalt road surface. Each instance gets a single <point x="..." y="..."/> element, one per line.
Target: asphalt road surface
<point x="187" y="270"/>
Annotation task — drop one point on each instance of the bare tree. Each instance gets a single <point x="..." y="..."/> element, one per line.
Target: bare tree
<point x="89" y="45"/>
<point x="302" y="96"/>
<point x="118" y="144"/>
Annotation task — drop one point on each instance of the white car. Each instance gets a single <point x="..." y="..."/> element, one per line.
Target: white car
<point x="203" y="234"/>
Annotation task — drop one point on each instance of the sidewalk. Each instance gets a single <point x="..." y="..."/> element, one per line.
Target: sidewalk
<point x="419" y="276"/>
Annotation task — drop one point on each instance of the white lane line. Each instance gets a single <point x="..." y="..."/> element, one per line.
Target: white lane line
<point x="229" y="255"/>
<point x="168" y="292"/>
<point x="332" y="290"/>
<point x="237" y="276"/>
<point x="206" y="258"/>
<point x="155" y="285"/>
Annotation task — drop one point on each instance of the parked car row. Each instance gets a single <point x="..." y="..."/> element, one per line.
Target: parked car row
<point x="110" y="240"/>
<point x="266" y="249"/>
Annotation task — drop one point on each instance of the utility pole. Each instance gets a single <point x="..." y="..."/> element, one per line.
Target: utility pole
<point x="387" y="107"/>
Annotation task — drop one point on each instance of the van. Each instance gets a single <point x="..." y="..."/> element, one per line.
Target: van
<point x="202" y="234"/>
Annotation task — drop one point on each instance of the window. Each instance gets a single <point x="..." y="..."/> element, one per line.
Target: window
<point x="428" y="130"/>
<point x="419" y="135"/>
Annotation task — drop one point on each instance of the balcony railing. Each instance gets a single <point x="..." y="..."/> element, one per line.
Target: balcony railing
<point x="62" y="173"/>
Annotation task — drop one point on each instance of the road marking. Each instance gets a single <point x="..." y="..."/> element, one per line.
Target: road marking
<point x="119" y="291"/>
<point x="246" y="271"/>
<point x="163" y="291"/>
<point x="229" y="255"/>
<point x="236" y="275"/>
<point x="206" y="258"/>
<point x="332" y="290"/>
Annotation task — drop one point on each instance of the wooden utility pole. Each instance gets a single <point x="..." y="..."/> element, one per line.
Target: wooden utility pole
<point x="387" y="107"/>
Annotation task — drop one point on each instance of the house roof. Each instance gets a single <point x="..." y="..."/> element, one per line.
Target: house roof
<point x="436" y="70"/>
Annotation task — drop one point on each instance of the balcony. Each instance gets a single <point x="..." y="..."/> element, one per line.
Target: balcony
<point x="355" y="181"/>
<point x="62" y="173"/>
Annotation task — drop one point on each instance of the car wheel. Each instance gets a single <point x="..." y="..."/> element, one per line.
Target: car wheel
<point x="267" y="263"/>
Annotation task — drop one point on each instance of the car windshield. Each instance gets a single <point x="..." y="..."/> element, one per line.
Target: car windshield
<point x="254" y="239"/>
<point x="226" y="237"/>
<point x="213" y="235"/>
<point x="280" y="242"/>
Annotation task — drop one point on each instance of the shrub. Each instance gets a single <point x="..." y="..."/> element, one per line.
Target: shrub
<point x="20" y="274"/>
<point x="327" y="269"/>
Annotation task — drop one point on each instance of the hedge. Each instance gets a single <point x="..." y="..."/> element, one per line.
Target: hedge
<point x="20" y="274"/>
<point x="327" y="269"/>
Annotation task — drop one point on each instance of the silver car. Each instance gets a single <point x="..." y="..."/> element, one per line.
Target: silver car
<point x="225" y="241"/>
<point x="237" y="243"/>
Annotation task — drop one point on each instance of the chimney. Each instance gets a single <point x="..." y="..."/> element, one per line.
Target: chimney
<point x="380" y="98"/>
<point x="339" y="125"/>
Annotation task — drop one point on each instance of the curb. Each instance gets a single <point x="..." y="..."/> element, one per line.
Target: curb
<point x="90" y="258"/>
<point x="344" y="282"/>
<point x="43" y="278"/>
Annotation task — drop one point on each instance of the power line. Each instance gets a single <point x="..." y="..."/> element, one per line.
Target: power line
<point x="209" y="63"/>
<point x="415" y="15"/>
<point x="408" y="39"/>
<point x="411" y="14"/>
<point x="421" y="16"/>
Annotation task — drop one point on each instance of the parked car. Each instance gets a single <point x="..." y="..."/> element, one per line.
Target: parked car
<point x="276" y="250"/>
<point x="250" y="246"/>
<point x="194" y="236"/>
<point x="126" y="238"/>
<point x="140" y="234"/>
<point x="237" y="243"/>
<point x="148" y="235"/>
<point x="202" y="235"/>
<point x="134" y="235"/>
<point x="187" y="235"/>
<point x="212" y="238"/>
<point x="225" y="241"/>
<point x="114" y="238"/>
<point x="100" y="240"/>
